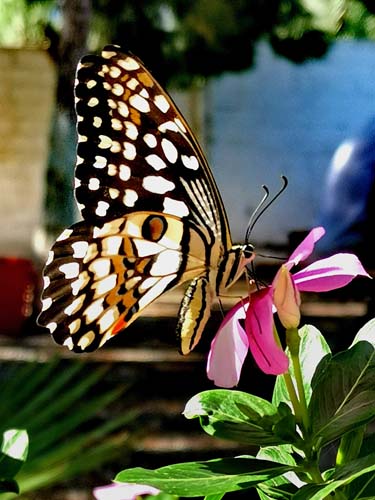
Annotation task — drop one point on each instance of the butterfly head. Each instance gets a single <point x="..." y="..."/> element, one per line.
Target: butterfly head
<point x="233" y="266"/>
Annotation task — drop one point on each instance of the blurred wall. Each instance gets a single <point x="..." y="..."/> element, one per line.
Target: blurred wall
<point x="282" y="118"/>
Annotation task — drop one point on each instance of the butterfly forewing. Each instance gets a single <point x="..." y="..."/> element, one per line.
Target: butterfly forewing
<point x="142" y="150"/>
<point x="152" y="215"/>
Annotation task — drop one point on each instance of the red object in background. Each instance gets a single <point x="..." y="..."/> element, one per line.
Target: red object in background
<point x="18" y="283"/>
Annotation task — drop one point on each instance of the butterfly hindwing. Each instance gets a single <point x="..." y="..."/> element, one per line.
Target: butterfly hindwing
<point x="99" y="279"/>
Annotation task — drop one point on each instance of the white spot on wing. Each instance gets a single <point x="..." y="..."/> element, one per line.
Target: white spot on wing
<point x="157" y="184"/>
<point x="114" y="72"/>
<point x="155" y="162"/>
<point x="111" y="245"/>
<point x="112" y="169"/>
<point x="79" y="283"/>
<point x="129" y="64"/>
<point x="97" y="121"/>
<point x="156" y="290"/>
<point x="86" y="340"/>
<point x="180" y="125"/>
<point x="116" y="147"/>
<point x="129" y="151"/>
<point x="132" y="84"/>
<point x="150" y="140"/>
<point x="102" y="208"/>
<point x="100" y="267"/>
<point x="113" y="193"/>
<point x="105" y="285"/>
<point x="75" y="305"/>
<point x="100" y="162"/>
<point x="124" y="173"/>
<point x="108" y="54"/>
<point x="108" y="318"/>
<point x="105" y="142"/>
<point x="74" y="326"/>
<point x="168" y="126"/>
<point x="51" y="326"/>
<point x="166" y="263"/>
<point x="190" y="162"/>
<point x="162" y="103"/>
<point x="46" y="303"/>
<point x="130" y="197"/>
<point x="116" y="124"/>
<point x="117" y="89"/>
<point x="79" y="249"/>
<point x="65" y="234"/>
<point x="140" y="103"/>
<point x="71" y="270"/>
<point x="146" y="248"/>
<point x="170" y="150"/>
<point x="69" y="343"/>
<point x="175" y="207"/>
<point x="131" y="130"/>
<point x="94" y="101"/>
<point x="123" y="109"/>
<point x="148" y="283"/>
<point x="94" y="184"/>
<point x="50" y="257"/>
<point x="94" y="310"/>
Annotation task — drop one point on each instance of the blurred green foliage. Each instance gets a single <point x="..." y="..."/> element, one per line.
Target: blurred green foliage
<point x="189" y="40"/>
<point x="66" y="411"/>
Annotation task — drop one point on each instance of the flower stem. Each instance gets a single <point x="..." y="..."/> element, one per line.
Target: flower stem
<point x="293" y="396"/>
<point x="293" y="342"/>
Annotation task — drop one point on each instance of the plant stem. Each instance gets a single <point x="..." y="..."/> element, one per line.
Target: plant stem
<point x="293" y="396"/>
<point x="293" y="341"/>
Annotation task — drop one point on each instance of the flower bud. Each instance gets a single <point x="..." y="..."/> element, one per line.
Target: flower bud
<point x="286" y="298"/>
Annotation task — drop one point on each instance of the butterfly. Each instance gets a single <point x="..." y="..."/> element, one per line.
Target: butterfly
<point x="152" y="215"/>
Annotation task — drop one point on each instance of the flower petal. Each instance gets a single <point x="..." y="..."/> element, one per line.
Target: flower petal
<point x="228" y="349"/>
<point x="123" y="491"/>
<point x="306" y="247"/>
<point x="330" y="273"/>
<point x="259" y="328"/>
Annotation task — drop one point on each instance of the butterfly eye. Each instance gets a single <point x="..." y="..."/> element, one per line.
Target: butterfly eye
<point x="248" y="251"/>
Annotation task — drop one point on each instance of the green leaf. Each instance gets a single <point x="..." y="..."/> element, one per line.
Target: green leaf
<point x="341" y="477"/>
<point x="365" y="484"/>
<point x="343" y="393"/>
<point x="161" y="496"/>
<point x="313" y="348"/>
<point x="13" y="452"/>
<point x="213" y="477"/>
<point x="9" y="486"/>
<point x="217" y="496"/>
<point x="15" y="444"/>
<point x="237" y="416"/>
<point x="283" y="486"/>
<point x="367" y="332"/>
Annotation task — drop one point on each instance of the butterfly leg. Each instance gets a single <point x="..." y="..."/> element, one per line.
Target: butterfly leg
<point x="195" y="309"/>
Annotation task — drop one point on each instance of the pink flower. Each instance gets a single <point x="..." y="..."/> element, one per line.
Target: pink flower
<point x="123" y="491"/>
<point x="234" y="338"/>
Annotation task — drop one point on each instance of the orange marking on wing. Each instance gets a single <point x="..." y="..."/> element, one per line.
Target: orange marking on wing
<point x="119" y="326"/>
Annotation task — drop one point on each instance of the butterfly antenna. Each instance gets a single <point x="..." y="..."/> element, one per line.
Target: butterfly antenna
<point x="262" y="206"/>
<point x="253" y="217"/>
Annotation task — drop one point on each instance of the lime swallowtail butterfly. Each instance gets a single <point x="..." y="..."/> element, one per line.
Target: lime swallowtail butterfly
<point x="152" y="215"/>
